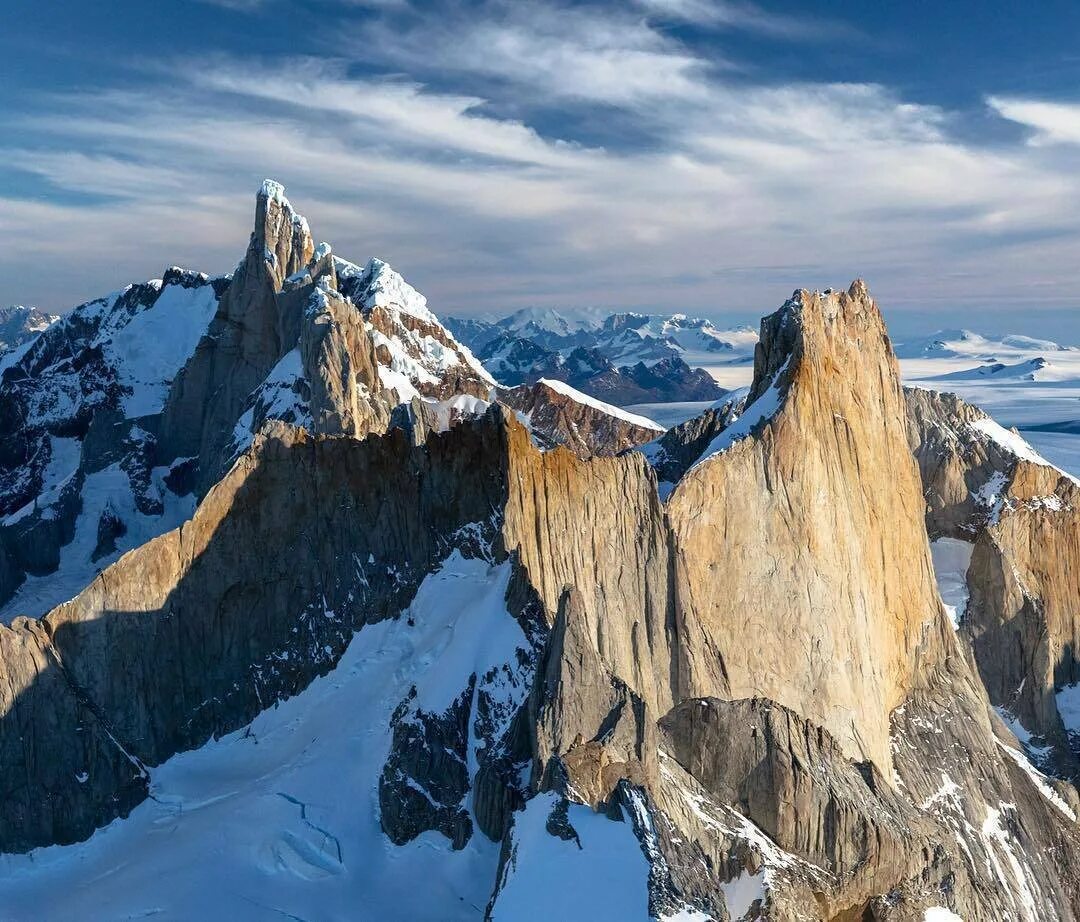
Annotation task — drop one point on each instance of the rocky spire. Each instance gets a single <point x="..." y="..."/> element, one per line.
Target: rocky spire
<point x="257" y="323"/>
<point x="781" y="512"/>
<point x="281" y="236"/>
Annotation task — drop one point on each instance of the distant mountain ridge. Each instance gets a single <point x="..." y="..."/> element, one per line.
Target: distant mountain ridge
<point x="964" y="343"/>
<point x="623" y="357"/>
<point x="19" y="324"/>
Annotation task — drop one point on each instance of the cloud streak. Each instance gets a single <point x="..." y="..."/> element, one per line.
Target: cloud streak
<point x="465" y="185"/>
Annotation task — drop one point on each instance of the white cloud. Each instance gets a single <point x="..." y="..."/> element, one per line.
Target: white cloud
<point x="749" y="17"/>
<point x="1051" y="122"/>
<point x="564" y="52"/>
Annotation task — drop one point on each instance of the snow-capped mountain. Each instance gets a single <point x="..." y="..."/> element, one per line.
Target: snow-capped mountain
<point x="1036" y="369"/>
<point x="79" y="483"/>
<point x="422" y="646"/>
<point x="514" y="360"/>
<point x="537" y="322"/>
<point x="19" y="324"/>
<point x="690" y="336"/>
<point x="132" y="406"/>
<point x="965" y="343"/>
<point x="622" y="358"/>
<point x="624" y="338"/>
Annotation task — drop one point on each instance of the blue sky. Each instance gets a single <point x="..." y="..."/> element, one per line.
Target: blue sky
<point x="696" y="155"/>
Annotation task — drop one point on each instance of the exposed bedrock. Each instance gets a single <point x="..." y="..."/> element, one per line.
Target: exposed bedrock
<point x="984" y="485"/>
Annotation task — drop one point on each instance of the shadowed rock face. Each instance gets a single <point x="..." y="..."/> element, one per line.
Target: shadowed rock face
<point x="191" y="635"/>
<point x="956" y="462"/>
<point x="1023" y="616"/>
<point x="678" y="449"/>
<point x="70" y="407"/>
<point x="792" y="779"/>
<point x="256" y="324"/>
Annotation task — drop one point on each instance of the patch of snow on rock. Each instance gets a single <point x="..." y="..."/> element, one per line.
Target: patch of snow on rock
<point x="386" y="288"/>
<point x="757" y="413"/>
<point x="153" y="346"/>
<point x="602" y="875"/>
<point x="952" y="557"/>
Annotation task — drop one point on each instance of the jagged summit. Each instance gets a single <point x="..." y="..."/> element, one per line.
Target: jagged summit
<point x="172" y="379"/>
<point x="379" y="285"/>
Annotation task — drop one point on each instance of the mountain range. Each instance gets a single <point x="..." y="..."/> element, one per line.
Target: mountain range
<point x="309" y="613"/>
<point x="623" y="358"/>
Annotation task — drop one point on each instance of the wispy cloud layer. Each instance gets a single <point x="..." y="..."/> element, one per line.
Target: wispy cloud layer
<point x="532" y="153"/>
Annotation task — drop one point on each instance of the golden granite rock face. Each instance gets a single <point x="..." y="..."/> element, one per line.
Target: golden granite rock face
<point x="802" y="549"/>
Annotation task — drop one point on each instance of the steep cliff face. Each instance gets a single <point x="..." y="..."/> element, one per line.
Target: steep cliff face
<point x="678" y="449"/>
<point x="256" y="324"/>
<point x="191" y="635"/>
<point x="961" y="465"/>
<point x="135" y="404"/>
<point x="1024" y="585"/>
<point x="794" y="520"/>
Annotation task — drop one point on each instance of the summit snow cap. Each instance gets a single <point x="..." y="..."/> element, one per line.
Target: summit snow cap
<point x="274" y="191"/>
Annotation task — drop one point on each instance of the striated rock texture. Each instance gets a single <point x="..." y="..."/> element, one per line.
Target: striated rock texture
<point x="556" y="417"/>
<point x="795" y="520"/>
<point x="1023" y="619"/>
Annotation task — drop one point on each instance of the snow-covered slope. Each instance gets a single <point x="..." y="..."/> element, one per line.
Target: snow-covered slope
<point x="959" y="343"/>
<point x="78" y="480"/>
<point x="566" y="390"/>
<point x="1021" y="381"/>
<point x="1037" y="370"/>
<point x="281" y="819"/>
<point x="420" y="357"/>
<point x="534" y="322"/>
